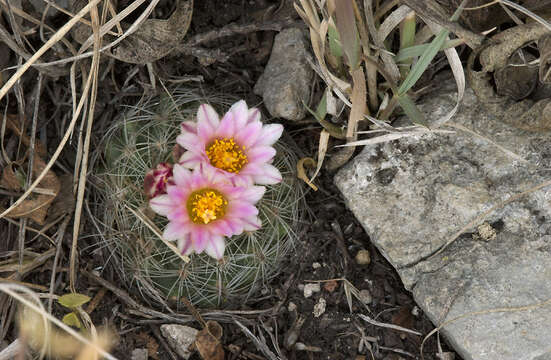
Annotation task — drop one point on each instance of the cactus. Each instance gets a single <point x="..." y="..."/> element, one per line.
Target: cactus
<point x="145" y="136"/>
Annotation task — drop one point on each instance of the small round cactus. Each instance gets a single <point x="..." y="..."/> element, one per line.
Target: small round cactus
<point x="144" y="137"/>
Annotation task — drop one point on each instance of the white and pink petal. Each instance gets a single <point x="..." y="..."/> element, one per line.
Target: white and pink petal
<point x="174" y="231"/>
<point x="162" y="204"/>
<point x="269" y="175"/>
<point x="261" y="154"/>
<point x="215" y="247"/>
<point x="269" y="135"/>
<point x="240" y="114"/>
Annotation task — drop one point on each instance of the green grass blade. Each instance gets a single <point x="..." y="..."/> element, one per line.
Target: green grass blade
<point x="424" y="61"/>
<point x="429" y="54"/>
<point x="411" y="110"/>
<point x="418" y="50"/>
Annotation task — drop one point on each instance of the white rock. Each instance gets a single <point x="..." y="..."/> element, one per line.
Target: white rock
<point x="413" y="194"/>
<point x="316" y="265"/>
<point x="365" y="296"/>
<point x="319" y="308"/>
<point x="180" y="338"/>
<point x="311" y="288"/>
<point x="292" y="306"/>
<point x="139" y="354"/>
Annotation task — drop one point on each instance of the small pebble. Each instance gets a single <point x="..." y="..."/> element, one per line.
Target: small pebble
<point x="311" y="288"/>
<point x="365" y="296"/>
<point x="139" y="354"/>
<point x="316" y="265"/>
<point x="363" y="257"/>
<point x="319" y="308"/>
<point x="180" y="338"/>
<point x="415" y="311"/>
<point x="292" y="306"/>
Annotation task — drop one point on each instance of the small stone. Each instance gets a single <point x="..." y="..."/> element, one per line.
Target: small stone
<point x="319" y="308"/>
<point x="180" y="338"/>
<point x="311" y="288"/>
<point x="316" y="265"/>
<point x="363" y="257"/>
<point x="365" y="296"/>
<point x="292" y="307"/>
<point x="139" y="354"/>
<point x="287" y="78"/>
<point x="486" y="232"/>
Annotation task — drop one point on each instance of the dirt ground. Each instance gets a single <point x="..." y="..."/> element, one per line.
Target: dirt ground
<point x="328" y="242"/>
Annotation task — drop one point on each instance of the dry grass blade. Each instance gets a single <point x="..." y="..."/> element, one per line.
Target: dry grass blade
<point x="506" y="151"/>
<point x="358" y="100"/>
<point x="322" y="149"/>
<point x="54" y="39"/>
<point x="458" y="75"/>
<point x="346" y="26"/>
<point x="76" y="113"/>
<point x="105" y="29"/>
<point x="259" y="344"/>
<point x="158" y="233"/>
<point x="527" y="12"/>
<point x="396" y="135"/>
<point x="393" y="20"/>
<point x="84" y="166"/>
<point x="388" y="326"/>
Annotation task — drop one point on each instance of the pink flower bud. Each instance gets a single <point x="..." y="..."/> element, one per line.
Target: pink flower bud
<point x="156" y="180"/>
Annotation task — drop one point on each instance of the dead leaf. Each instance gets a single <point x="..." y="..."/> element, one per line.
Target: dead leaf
<point x="64" y="203"/>
<point x="301" y="172"/>
<point x="12" y="124"/>
<point x="153" y="39"/>
<point x="150" y="343"/>
<point x="331" y="285"/>
<point x="322" y="149"/>
<point x="36" y="206"/>
<point x="208" y="341"/>
<point x="404" y="318"/>
<point x="358" y="100"/>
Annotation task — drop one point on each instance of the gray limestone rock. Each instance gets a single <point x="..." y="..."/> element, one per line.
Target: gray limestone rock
<point x="180" y="338"/>
<point x="286" y="81"/>
<point x="412" y="195"/>
<point x="139" y="354"/>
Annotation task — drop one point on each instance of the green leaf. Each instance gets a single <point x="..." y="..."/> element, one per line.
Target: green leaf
<point x="411" y="110"/>
<point x="72" y="319"/>
<point x="429" y="54"/>
<point x="424" y="62"/>
<point x="418" y="50"/>
<point x="334" y="42"/>
<point x="73" y="300"/>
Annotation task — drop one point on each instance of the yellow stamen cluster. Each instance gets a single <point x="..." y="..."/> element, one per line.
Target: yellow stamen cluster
<point x="225" y="154"/>
<point x="206" y="205"/>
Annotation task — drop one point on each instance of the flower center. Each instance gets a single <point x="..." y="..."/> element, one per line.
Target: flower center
<point x="225" y="154"/>
<point x="206" y="205"/>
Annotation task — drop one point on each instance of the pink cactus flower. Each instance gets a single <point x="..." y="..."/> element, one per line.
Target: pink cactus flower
<point x="239" y="145"/>
<point x="156" y="180"/>
<point x="203" y="208"/>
